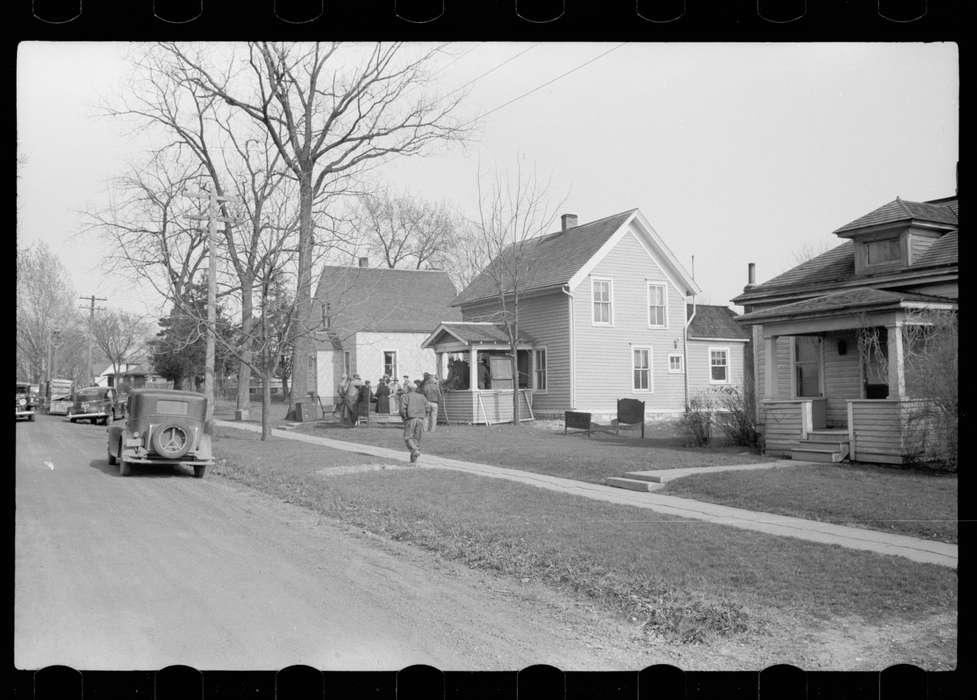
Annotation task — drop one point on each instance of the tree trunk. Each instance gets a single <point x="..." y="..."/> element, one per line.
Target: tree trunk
<point x="244" y="364"/>
<point x="303" y="292"/>
<point x="266" y="402"/>
<point x="514" y="363"/>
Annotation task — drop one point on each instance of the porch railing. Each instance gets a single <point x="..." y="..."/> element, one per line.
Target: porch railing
<point x="787" y="421"/>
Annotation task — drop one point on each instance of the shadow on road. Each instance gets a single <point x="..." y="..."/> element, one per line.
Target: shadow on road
<point x="165" y="471"/>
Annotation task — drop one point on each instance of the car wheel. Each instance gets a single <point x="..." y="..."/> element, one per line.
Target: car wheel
<point x="125" y="468"/>
<point x="30" y="417"/>
<point x="198" y="471"/>
<point x="112" y="459"/>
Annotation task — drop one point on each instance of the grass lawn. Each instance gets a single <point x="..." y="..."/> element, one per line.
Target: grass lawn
<point x="920" y="504"/>
<point x="544" y="449"/>
<point x="685" y="580"/>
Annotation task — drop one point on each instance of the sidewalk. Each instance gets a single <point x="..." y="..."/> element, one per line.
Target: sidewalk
<point x="924" y="551"/>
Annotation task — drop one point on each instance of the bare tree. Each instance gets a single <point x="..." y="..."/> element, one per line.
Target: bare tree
<point x="118" y="334"/>
<point x="404" y="231"/>
<point x="810" y="250"/>
<point x="45" y="303"/>
<point x="330" y="112"/>
<point x="512" y="211"/>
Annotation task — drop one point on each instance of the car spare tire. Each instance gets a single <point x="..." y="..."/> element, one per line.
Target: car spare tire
<point x="171" y="440"/>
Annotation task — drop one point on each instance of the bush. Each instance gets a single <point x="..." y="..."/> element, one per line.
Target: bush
<point x="738" y="419"/>
<point x="697" y="420"/>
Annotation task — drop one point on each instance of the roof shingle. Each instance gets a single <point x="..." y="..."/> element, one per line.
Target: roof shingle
<point x="548" y="261"/>
<point x="902" y="210"/>
<point x="715" y="322"/>
<point x="385" y="300"/>
<point x="851" y="299"/>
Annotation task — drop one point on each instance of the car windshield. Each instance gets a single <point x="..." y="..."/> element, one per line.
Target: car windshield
<point x="23" y="389"/>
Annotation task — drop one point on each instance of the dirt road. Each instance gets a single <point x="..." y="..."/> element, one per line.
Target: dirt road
<point x="160" y="568"/>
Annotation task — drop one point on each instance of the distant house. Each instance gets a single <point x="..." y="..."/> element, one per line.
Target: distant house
<point x="133" y="376"/>
<point x="823" y="396"/>
<point x="371" y="321"/>
<point x="602" y="316"/>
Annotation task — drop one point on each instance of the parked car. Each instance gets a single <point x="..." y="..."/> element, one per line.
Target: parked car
<point x="26" y="401"/>
<point x="60" y="405"/>
<point x="97" y="404"/>
<point x="162" y="427"/>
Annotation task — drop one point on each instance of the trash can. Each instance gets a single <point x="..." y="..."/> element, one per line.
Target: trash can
<point x="300" y="410"/>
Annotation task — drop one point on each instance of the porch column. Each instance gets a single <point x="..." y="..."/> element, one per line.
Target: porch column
<point x="770" y="367"/>
<point x="896" y="359"/>
<point x="472" y="368"/>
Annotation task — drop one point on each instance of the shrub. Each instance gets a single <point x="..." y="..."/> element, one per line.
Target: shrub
<point x="738" y="417"/>
<point x="697" y="420"/>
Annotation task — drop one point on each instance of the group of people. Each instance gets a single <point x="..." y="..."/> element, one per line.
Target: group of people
<point x="416" y="402"/>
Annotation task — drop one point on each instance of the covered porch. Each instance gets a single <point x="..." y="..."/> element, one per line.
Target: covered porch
<point x="833" y="378"/>
<point x="473" y="362"/>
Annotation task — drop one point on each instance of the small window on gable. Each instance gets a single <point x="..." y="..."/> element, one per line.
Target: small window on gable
<point x="675" y="362"/>
<point x="884" y="251"/>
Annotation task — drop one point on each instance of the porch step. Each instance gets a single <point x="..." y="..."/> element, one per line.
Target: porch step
<point x="819" y="453"/>
<point x="632" y="484"/>
<point x="654" y="478"/>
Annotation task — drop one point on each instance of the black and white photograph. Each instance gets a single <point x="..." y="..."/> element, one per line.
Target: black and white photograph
<point x="486" y="354"/>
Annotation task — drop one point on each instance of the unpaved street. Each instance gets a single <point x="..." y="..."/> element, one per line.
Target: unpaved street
<point x="160" y="568"/>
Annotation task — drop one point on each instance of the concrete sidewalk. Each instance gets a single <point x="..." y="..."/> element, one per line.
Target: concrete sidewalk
<point x="925" y="551"/>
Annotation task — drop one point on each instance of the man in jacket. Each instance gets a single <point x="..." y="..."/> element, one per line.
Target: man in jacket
<point x="432" y="392"/>
<point x="413" y="407"/>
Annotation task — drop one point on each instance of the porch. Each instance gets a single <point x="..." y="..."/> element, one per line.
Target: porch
<point x="835" y="379"/>
<point x="474" y="364"/>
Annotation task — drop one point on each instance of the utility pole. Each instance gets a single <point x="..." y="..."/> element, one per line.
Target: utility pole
<point x="91" y="331"/>
<point x="210" y="357"/>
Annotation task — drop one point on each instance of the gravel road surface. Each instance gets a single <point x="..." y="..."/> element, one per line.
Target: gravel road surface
<point x="160" y="568"/>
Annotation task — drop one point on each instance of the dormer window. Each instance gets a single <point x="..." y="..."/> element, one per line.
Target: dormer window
<point x="884" y="251"/>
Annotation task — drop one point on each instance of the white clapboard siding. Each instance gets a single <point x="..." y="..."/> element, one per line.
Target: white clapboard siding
<point x="784" y="362"/>
<point x="841" y="375"/>
<point x="603" y="353"/>
<point x="783" y="426"/>
<point x="698" y="365"/>
<point x="879" y="429"/>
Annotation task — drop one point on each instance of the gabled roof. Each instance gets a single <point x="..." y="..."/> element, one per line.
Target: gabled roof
<point x="848" y="301"/>
<point x="837" y="266"/>
<point x="902" y="210"/>
<point x="473" y="333"/>
<point x="550" y="261"/>
<point x="715" y="322"/>
<point x="384" y="300"/>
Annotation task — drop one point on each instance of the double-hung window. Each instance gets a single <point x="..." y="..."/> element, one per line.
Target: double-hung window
<point x="641" y="369"/>
<point x="719" y="365"/>
<point x="675" y="362"/>
<point x="602" y="291"/>
<point x="657" y="305"/>
<point x="390" y="363"/>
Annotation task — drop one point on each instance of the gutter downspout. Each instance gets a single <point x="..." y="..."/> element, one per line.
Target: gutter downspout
<point x="685" y="349"/>
<point x="573" y="384"/>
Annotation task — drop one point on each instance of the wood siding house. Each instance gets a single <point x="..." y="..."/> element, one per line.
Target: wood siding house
<point x="716" y="350"/>
<point x="602" y="316"/>
<point x="822" y="394"/>
<point x="372" y="321"/>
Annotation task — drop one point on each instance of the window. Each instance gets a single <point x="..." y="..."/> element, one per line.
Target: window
<point x="657" y="305"/>
<point x="641" y="369"/>
<point x="886" y="250"/>
<point x="390" y="363"/>
<point x="675" y="362"/>
<point x="719" y="365"/>
<point x="807" y="365"/>
<point x="603" y="294"/>
<point x="539" y="370"/>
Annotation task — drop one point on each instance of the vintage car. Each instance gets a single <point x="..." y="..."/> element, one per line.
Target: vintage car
<point x="95" y="403"/>
<point x="26" y="401"/>
<point x="162" y="427"/>
<point x="60" y="405"/>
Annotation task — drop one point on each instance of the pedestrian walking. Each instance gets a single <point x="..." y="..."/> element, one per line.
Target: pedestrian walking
<point x="432" y="392"/>
<point x="413" y="408"/>
<point x="352" y="398"/>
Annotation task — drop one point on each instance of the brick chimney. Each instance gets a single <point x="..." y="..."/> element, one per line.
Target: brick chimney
<point x="568" y="221"/>
<point x="364" y="262"/>
<point x="751" y="274"/>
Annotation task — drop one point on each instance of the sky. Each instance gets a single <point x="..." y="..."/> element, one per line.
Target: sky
<point x="735" y="153"/>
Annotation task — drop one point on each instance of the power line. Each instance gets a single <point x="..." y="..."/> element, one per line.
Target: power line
<point x="492" y="70"/>
<point x="455" y="60"/>
<point x="548" y="82"/>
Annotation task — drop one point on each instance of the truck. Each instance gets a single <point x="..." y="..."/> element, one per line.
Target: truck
<point x="59" y="395"/>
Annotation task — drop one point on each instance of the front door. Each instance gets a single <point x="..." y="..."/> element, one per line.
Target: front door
<point x="325" y="378"/>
